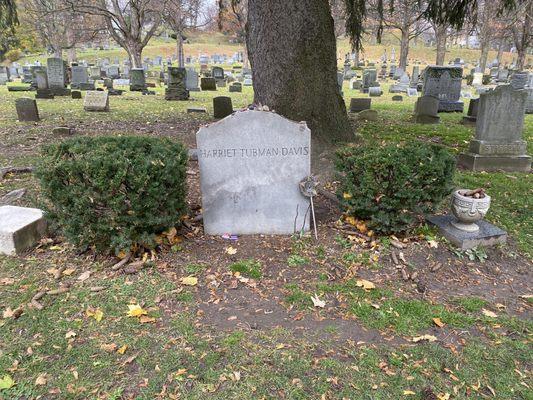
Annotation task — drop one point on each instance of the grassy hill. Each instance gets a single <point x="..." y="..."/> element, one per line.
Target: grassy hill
<point x="215" y="43"/>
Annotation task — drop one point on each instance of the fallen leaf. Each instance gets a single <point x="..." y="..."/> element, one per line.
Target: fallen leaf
<point x="83" y="277"/>
<point x="7" y="281"/>
<point x="189" y="281"/>
<point x="367" y="285"/>
<point x="408" y="393"/>
<point x="108" y="347"/>
<point x="433" y="244"/>
<point x="443" y="396"/>
<point x="346" y="195"/>
<point x="135" y="310"/>
<point x="144" y="319"/>
<point x="69" y="271"/>
<point x="57" y="248"/>
<point x="231" y="250"/>
<point x="123" y="349"/>
<point x="41" y="380"/>
<point x="70" y="334"/>
<point x="438" y="322"/>
<point x="6" y="382"/>
<point x="429" y="338"/>
<point x="489" y="313"/>
<point x="317" y="302"/>
<point x="97" y="314"/>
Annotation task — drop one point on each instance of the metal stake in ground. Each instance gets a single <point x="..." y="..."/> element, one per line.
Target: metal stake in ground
<point x="308" y="187"/>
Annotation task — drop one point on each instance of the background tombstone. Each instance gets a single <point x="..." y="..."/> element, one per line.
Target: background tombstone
<point x="137" y="80"/>
<point x="444" y="83"/>
<point x="191" y="80"/>
<point x="27" y="109"/>
<point x="426" y="110"/>
<point x="471" y="115"/>
<point x="208" y="84"/>
<point x="499" y="144"/>
<point x="222" y="107"/>
<point x="176" y="88"/>
<point x="359" y="104"/>
<point x="96" y="101"/>
<point x="251" y="164"/>
<point x="57" y="75"/>
<point x="235" y="87"/>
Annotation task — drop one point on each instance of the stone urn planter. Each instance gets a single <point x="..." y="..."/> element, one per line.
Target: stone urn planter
<point x="469" y="209"/>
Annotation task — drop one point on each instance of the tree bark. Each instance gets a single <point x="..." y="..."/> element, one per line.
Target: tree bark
<point x="501" y="46"/>
<point x="179" y="50"/>
<point x="404" y="48"/>
<point x="484" y="44"/>
<point x="292" y="50"/>
<point x="440" y="36"/>
<point x="134" y="51"/>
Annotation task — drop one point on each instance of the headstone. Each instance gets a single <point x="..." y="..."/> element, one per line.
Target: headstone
<point x="444" y="83"/>
<point x="176" y="88"/>
<point x="412" y="92"/>
<point x="113" y="72"/>
<point x="360" y="104"/>
<point x="426" y="110"/>
<point x="367" y="115"/>
<point x="235" y="87"/>
<point x="222" y="107"/>
<point x="218" y="73"/>
<point x="340" y="80"/>
<point x="471" y="116"/>
<point x="208" y="84"/>
<point x="477" y="79"/>
<point x="200" y="110"/>
<point x="96" y="101"/>
<point x="499" y="143"/>
<point x="95" y="72"/>
<point x="80" y="79"/>
<point x="375" y="91"/>
<point x="251" y="166"/>
<point x="4" y="75"/>
<point x="191" y="82"/>
<point x="503" y="74"/>
<point x="27" y="109"/>
<point x="519" y="80"/>
<point x="75" y="94"/>
<point x="56" y="70"/>
<point x="20" y="228"/>
<point x="247" y="82"/>
<point x="369" y="79"/>
<point x="137" y="80"/>
<point x="41" y="79"/>
<point x="397" y="98"/>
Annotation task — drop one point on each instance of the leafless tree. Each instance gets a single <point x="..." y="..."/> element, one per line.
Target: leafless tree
<point x="131" y="23"/>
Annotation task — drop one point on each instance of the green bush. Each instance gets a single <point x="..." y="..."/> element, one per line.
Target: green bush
<point x="392" y="187"/>
<point x="13" y="55"/>
<point x="114" y="192"/>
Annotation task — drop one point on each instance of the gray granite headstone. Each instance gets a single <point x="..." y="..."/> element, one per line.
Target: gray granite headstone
<point x="27" y="109"/>
<point x="360" y="104"/>
<point x="96" y="101"/>
<point x="191" y="80"/>
<point x="251" y="164"/>
<point x="444" y="83"/>
<point x="426" y="110"/>
<point x="176" y="87"/>
<point x="55" y="68"/>
<point x="499" y="143"/>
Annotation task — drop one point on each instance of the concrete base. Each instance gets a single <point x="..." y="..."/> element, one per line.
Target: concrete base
<point x="471" y="121"/>
<point x="476" y="162"/>
<point x="487" y="235"/>
<point x="20" y="228"/>
<point x="451" y="106"/>
<point x="426" y="119"/>
<point x="196" y="110"/>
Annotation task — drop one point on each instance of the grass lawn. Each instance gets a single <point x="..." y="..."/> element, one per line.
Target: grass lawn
<point x="248" y="329"/>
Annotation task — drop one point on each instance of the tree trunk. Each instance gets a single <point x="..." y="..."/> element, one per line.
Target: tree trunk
<point x="484" y="55"/>
<point x="440" y="36"/>
<point x="521" y="58"/>
<point x="298" y="77"/>
<point x="71" y="55"/>
<point x="404" y="48"/>
<point x="501" y="46"/>
<point x="134" y="51"/>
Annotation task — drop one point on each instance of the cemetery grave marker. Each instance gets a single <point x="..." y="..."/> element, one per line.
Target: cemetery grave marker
<point x="27" y="109"/>
<point x="499" y="143"/>
<point x="444" y="83"/>
<point x="20" y="228"/>
<point x="96" y="101"/>
<point x="251" y="165"/>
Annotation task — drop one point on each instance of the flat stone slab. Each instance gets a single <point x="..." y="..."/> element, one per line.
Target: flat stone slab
<point x="196" y="110"/>
<point x="488" y="234"/>
<point x="20" y="228"/>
